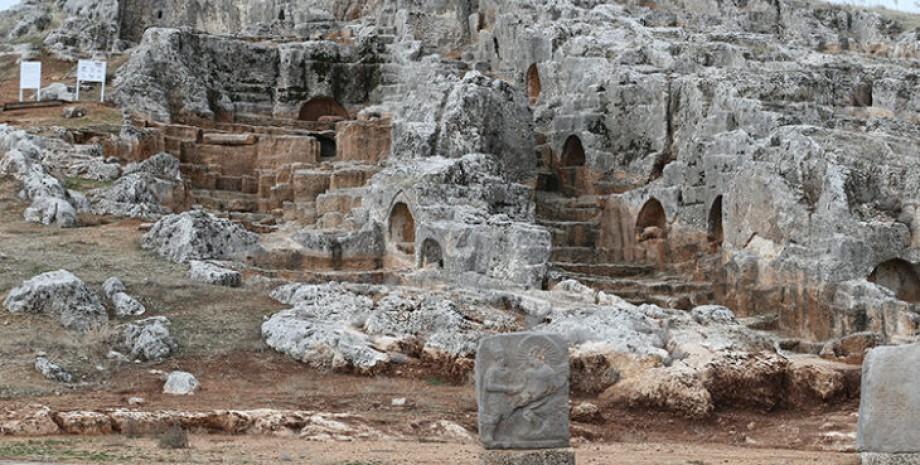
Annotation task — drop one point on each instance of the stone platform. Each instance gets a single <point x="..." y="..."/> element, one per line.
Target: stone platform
<point x="873" y="458"/>
<point x="528" y="457"/>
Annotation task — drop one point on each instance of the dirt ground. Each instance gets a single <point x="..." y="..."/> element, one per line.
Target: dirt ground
<point x="248" y="450"/>
<point x="218" y="332"/>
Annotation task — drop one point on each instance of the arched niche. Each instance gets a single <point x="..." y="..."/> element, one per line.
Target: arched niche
<point x="402" y="225"/>
<point x="573" y="153"/>
<point x="534" y="86"/>
<point x="900" y="276"/>
<point x="432" y="254"/>
<point x="652" y="222"/>
<point x="716" y="230"/>
<point x="318" y="107"/>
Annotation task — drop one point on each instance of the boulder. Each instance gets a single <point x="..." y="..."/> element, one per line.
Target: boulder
<point x="24" y="157"/>
<point x="58" y="91"/>
<point x="113" y="286"/>
<point x="813" y="381"/>
<point x="60" y="295"/>
<point x="124" y="304"/>
<point x="147" y="190"/>
<point x="74" y="112"/>
<point x="51" y="370"/>
<point x="148" y="339"/>
<point x="51" y="211"/>
<point x="673" y="389"/>
<point x="197" y="235"/>
<point x="208" y="273"/>
<point x="754" y="380"/>
<point x="585" y="412"/>
<point x="180" y="383"/>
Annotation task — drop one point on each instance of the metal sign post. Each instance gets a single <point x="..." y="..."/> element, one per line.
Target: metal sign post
<point x="30" y="77"/>
<point x="91" y="71"/>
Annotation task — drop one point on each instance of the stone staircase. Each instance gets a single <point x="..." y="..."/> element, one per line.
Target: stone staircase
<point x="574" y="223"/>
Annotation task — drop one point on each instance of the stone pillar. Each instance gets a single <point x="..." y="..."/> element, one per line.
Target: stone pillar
<point x="889" y="409"/>
<point x="522" y="387"/>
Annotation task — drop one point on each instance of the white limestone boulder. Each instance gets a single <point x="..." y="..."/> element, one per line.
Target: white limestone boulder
<point x="124" y="304"/>
<point x="60" y="295"/>
<point x="197" y="235"/>
<point x="147" y="190"/>
<point x="209" y="273"/>
<point x="52" y="370"/>
<point x="181" y="383"/>
<point x="147" y="340"/>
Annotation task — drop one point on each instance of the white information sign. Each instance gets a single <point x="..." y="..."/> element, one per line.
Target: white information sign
<point x="30" y="77"/>
<point x="91" y="71"/>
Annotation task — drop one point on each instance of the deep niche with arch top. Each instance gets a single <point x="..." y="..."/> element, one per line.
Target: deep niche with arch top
<point x="716" y="229"/>
<point x="432" y="254"/>
<point x="652" y="222"/>
<point x="900" y="276"/>
<point x="534" y="86"/>
<point x="573" y="152"/>
<point x="402" y="227"/>
<point x="318" y="107"/>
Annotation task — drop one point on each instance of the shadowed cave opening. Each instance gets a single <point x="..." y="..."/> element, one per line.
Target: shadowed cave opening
<point x="432" y="254"/>
<point x="716" y="231"/>
<point x="573" y="153"/>
<point x="900" y="276"/>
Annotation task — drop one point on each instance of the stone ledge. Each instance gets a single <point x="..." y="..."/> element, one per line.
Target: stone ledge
<point x="881" y="458"/>
<point x="528" y="457"/>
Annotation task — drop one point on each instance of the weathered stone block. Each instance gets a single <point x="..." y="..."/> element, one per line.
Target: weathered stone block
<point x="368" y="141"/>
<point x="308" y="184"/>
<point x="276" y="151"/>
<point x="890" y="405"/>
<point x="532" y="457"/>
<point x="522" y="386"/>
<point x="232" y="161"/>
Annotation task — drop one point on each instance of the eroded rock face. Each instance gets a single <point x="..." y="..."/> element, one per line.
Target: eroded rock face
<point x="483" y="115"/>
<point x="59" y="295"/>
<point x="32" y="420"/>
<point x="88" y="25"/>
<point x="197" y="235"/>
<point x="148" y="339"/>
<point x="478" y="224"/>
